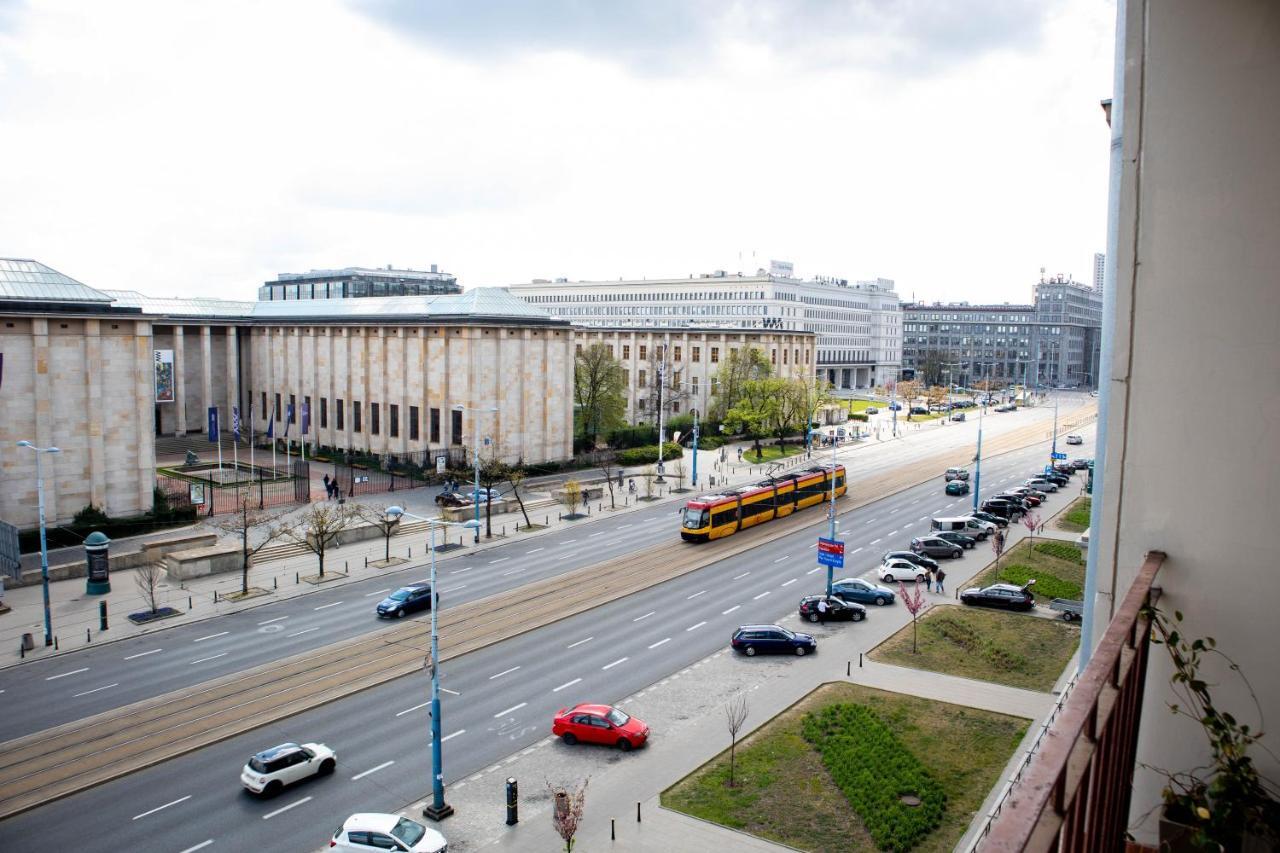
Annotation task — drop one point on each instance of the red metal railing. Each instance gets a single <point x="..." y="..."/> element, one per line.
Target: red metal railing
<point x="1075" y="795"/>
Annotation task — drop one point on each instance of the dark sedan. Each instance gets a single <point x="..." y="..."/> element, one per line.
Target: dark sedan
<point x="838" y="610"/>
<point x="911" y="557"/>
<point x="961" y="539"/>
<point x="1080" y="464"/>
<point x="406" y="599"/>
<point x="453" y="499"/>
<point x="991" y="517"/>
<point x="862" y="592"/>
<point x="956" y="488"/>
<point x="1005" y="596"/>
<point x="771" y="639"/>
<point x="935" y="547"/>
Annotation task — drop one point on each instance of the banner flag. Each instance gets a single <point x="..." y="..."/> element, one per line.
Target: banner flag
<point x="213" y="424"/>
<point x="235" y="422"/>
<point x="306" y="418"/>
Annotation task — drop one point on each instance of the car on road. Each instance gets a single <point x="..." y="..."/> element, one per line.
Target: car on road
<point x="956" y="474"/>
<point x="270" y="771"/>
<point x="603" y="724"/>
<point x="901" y="570"/>
<point x="751" y="640"/>
<point x="1075" y="439"/>
<point x="895" y="407"/>
<point x="935" y="546"/>
<point x="370" y="831"/>
<point x="860" y="591"/>
<point x="1080" y="464"/>
<point x="453" y="499"/>
<point x="919" y="410"/>
<point x="911" y="557"/>
<point x="838" y="610"/>
<point x="406" y="599"/>
<point x="1005" y="596"/>
<point x="958" y="416"/>
<point x="1058" y="478"/>
<point x="1040" y="484"/>
<point x="871" y="410"/>
<point x="998" y="520"/>
<point x="956" y="488"/>
<point x="964" y="540"/>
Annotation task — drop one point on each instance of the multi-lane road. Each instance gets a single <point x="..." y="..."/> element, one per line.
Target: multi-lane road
<point x="498" y="700"/>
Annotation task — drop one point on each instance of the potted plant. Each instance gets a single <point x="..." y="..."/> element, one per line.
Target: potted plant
<point x="1224" y="805"/>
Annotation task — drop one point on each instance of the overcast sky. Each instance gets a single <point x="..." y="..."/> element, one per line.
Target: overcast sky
<point x="188" y="148"/>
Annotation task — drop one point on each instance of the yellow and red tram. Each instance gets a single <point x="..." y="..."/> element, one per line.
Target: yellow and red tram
<point x="725" y="513"/>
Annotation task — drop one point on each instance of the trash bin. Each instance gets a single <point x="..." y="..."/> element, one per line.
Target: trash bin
<point x="28" y="642"/>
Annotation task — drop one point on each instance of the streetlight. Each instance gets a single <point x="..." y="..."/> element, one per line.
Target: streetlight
<point x="475" y="459"/>
<point x="439" y="809"/>
<point x="44" y="549"/>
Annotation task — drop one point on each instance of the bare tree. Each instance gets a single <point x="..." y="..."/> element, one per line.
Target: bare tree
<point x="1031" y="521"/>
<point x="606" y="467"/>
<point x="515" y="478"/>
<point x="997" y="546"/>
<point x="376" y="515"/>
<point x="678" y="466"/>
<point x="566" y="814"/>
<point x="915" y="602"/>
<point x="246" y="521"/>
<point x="735" y="716"/>
<point x="318" y="528"/>
<point x="571" y="496"/>
<point x="147" y="579"/>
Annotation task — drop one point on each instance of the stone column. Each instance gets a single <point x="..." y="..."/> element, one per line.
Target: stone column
<point x="232" y="362"/>
<point x="179" y="383"/>
<point x="206" y="376"/>
<point x="44" y="436"/>
<point x="144" y="396"/>
<point x="93" y="415"/>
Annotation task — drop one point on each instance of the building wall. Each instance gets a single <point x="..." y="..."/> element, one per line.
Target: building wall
<point x="1198" y="308"/>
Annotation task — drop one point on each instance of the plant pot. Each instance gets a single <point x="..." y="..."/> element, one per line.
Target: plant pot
<point x="1178" y="837"/>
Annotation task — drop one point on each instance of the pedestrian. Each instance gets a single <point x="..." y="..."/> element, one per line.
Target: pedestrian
<point x="928" y="579"/>
<point x="631" y="486"/>
<point x="328" y="489"/>
<point x="822" y="610"/>
<point x="940" y="576"/>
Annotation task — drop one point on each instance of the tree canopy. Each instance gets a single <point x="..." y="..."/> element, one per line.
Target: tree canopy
<point x="599" y="390"/>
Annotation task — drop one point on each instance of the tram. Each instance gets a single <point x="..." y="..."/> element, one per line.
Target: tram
<point x="725" y="513"/>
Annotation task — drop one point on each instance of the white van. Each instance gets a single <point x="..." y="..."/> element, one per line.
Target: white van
<point x="967" y="525"/>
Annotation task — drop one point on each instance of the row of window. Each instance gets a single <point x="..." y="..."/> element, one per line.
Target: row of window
<point x="356" y="409"/>
<point x="696" y="354"/>
<point x="661" y="296"/>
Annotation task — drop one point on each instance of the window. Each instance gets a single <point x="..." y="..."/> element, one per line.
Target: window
<point x="277" y="409"/>
<point x="435" y="426"/>
<point x="456" y="427"/>
<point x="693" y="385"/>
<point x="324" y="413"/>
<point x="715" y="355"/>
<point x="293" y="409"/>
<point x="355" y="415"/>
<point x="265" y="413"/>
<point x="644" y="352"/>
<point x="393" y="420"/>
<point x="675" y="408"/>
<point x="337" y="414"/>
<point x="306" y="404"/>
<point x="626" y="350"/>
<point x="375" y="422"/>
<point x="640" y="380"/>
<point x="697" y="354"/>
<point x="773" y="355"/>
<point x="677" y="352"/>
<point x="413" y="423"/>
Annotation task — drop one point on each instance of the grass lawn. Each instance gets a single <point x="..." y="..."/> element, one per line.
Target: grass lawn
<point x="863" y="405"/>
<point x="1007" y="648"/>
<point x="785" y="793"/>
<point x="1057" y="573"/>
<point x="772" y="451"/>
<point x="1076" y="518"/>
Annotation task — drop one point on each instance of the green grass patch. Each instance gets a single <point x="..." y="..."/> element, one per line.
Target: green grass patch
<point x="1061" y="550"/>
<point x="1007" y="648"/>
<point x="785" y="793"/>
<point x="772" y="451"/>
<point x="1076" y="518"/>
<point x="863" y="405"/>
<point x="1057" y="566"/>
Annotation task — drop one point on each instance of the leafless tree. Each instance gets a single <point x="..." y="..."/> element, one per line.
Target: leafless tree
<point x="243" y="524"/>
<point x="147" y="578"/>
<point x="566" y="815"/>
<point x="678" y="467"/>
<point x="606" y="467"/>
<point x="376" y="515"/>
<point x="735" y="716"/>
<point x="318" y="528"/>
<point x="515" y="479"/>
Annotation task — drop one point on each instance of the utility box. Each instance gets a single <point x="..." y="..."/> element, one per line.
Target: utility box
<point x="98" y="579"/>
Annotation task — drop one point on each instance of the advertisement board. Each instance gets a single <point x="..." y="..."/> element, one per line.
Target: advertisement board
<point x="164" y="375"/>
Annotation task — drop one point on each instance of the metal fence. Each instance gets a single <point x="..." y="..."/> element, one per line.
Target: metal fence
<point x="264" y="487"/>
<point x="368" y="474"/>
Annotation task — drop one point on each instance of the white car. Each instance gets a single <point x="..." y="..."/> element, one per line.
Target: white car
<point x="373" y="831"/>
<point x="1074" y="439"/>
<point x="901" y="570"/>
<point x="1041" y="485"/>
<point x="269" y="771"/>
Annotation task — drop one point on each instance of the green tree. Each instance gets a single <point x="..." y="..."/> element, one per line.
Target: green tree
<point x="599" y="390"/>
<point x="810" y="394"/>
<point x="740" y="367"/>
<point x="757" y="409"/>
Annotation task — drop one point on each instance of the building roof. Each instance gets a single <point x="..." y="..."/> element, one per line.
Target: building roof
<point x="477" y="303"/>
<point x="200" y="306"/>
<point x="27" y="280"/>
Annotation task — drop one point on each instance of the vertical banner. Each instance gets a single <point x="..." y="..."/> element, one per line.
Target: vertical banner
<point x="164" y="375"/>
<point x="213" y="424"/>
<point x="235" y="422"/>
<point x="271" y="423"/>
<point x="306" y="418"/>
<point x="288" y="417"/>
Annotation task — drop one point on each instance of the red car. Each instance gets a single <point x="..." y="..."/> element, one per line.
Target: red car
<point x="599" y="724"/>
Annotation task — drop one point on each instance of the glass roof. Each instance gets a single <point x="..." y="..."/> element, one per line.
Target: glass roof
<point x="174" y="307"/>
<point x="31" y="280"/>
<point x="477" y="302"/>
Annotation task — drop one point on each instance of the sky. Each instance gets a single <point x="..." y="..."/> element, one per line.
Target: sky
<point x="200" y="148"/>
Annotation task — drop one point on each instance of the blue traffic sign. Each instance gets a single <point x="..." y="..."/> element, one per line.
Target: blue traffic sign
<point x="1058" y="455"/>
<point x="830" y="553"/>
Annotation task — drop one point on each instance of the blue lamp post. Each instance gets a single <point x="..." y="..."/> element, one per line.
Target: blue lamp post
<point x="44" y="548"/>
<point x="475" y="460"/>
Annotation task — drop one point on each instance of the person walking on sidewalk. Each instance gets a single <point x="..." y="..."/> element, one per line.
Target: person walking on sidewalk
<point x="928" y="579"/>
<point x="940" y="576"/>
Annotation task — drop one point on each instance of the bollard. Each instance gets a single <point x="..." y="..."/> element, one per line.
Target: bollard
<point x="637" y="812"/>
<point x="22" y="652"/>
<point x="513" y="807"/>
<point x="275" y="581"/>
<point x="410" y="552"/>
<point x="546" y="520"/>
<point x="859" y="660"/>
<point x="613" y="830"/>
<point x="188" y="602"/>
<point x="504" y="530"/>
<point x="366" y="561"/>
<point x="55" y="642"/>
<point x="215" y="596"/>
<point x="346" y="568"/>
<point x="848" y="667"/>
<point x="295" y="577"/>
<point x="102" y="616"/>
<point x="87" y="638"/>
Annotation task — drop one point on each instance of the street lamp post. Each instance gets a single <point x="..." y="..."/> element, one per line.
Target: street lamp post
<point x="475" y="459"/>
<point x="439" y="809"/>
<point x="832" y="513"/>
<point x="695" y="448"/>
<point x="977" y="473"/>
<point x="44" y="548"/>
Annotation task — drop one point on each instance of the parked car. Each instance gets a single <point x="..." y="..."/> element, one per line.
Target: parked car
<point x="1075" y="439"/>
<point x="956" y="487"/>
<point x="962" y="539"/>
<point x="268" y="772"/>
<point x="771" y="639"/>
<point x="935" y="547"/>
<point x="603" y="724"/>
<point x="1080" y="464"/>
<point x="919" y="410"/>
<point x="1041" y="484"/>
<point x="901" y="570"/>
<point x="1030" y="498"/>
<point x="453" y="499"/>
<point x="862" y="592"/>
<point x="371" y="831"/>
<point x="1056" y="477"/>
<point x="871" y="410"/>
<point x="838" y="610"/>
<point x="1004" y="507"/>
<point x="911" y="557"/>
<point x="958" y="416"/>
<point x="1002" y="595"/>
<point x="998" y="520"/>
<point x="406" y="599"/>
<point x="956" y="474"/>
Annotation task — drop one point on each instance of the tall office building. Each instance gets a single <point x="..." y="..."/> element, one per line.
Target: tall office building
<point x="1099" y="270"/>
<point x="358" y="282"/>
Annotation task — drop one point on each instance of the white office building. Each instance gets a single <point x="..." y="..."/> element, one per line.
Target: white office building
<point x="858" y="326"/>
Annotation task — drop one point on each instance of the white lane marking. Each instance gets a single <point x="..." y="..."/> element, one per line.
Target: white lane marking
<point x="211" y="657"/>
<point x="200" y="846"/>
<point x="284" y="809"/>
<point x="790" y="582"/>
<point x="513" y="572"/>
<point x="646" y="616"/>
<point x="855" y="550"/>
<point x="143" y="654"/>
<point x="696" y="594"/>
<point x="375" y="592"/>
<point x="300" y="633"/>
<point x="454" y="588"/>
<point x="535" y="550"/>
<point x="165" y="806"/>
<point x="615" y="663"/>
<point x="601" y="533"/>
<point x="730" y="610"/>
<point x="210" y="636"/>
<point x="811" y="571"/>
<point x="741" y="576"/>
<point x="580" y="642"/>
<point x="452" y="692"/>
<point x="411" y="710"/>
<point x="623" y="527"/>
<point x="894" y="530"/>
<point x="277" y="619"/>
<point x="660" y="642"/>
<point x="94" y="690"/>
<point x="871" y="521"/>
<point x="874" y="541"/>
<point x="567" y="541"/>
<point x="695" y="627"/>
<point x="780" y="559"/>
<point x="326" y="606"/>
<point x="461" y="570"/>
<point x="504" y="672"/>
<point x="760" y="596"/>
<point x="814" y="545"/>
<point x="65" y="674"/>
<point x="923" y="518"/>
<point x="916" y="501"/>
<point x="510" y="710"/>
<point x="566" y="684"/>
<point x="372" y="770"/>
<point x="455" y="734"/>
<point x="499" y="560"/>
<point x="892" y="511"/>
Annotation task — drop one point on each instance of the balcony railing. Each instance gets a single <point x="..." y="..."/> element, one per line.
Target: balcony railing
<point x="1074" y="796"/>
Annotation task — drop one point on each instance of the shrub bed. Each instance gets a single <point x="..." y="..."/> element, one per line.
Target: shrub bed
<point x="875" y="771"/>
<point x="859" y="416"/>
<point x="1061" y="550"/>
<point x="1047" y="585"/>
<point x="1076" y="518"/>
<point x="648" y="455"/>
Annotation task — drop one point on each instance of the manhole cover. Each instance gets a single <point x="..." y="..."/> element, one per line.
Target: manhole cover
<point x="910" y="800"/>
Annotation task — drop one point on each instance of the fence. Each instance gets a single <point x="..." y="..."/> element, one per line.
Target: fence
<point x="368" y="474"/>
<point x="192" y="488"/>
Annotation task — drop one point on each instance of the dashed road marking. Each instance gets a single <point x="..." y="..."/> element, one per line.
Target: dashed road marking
<point x="284" y="809"/>
<point x="455" y="734"/>
<point x="210" y="636"/>
<point x="615" y="663"/>
<point x="411" y="710"/>
<point x="327" y="606"/>
<point x="372" y="770"/>
<point x="730" y="610"/>
<point x="510" y="710"/>
<point x="211" y="657"/>
<point x="143" y="654"/>
<point x="277" y="619"/>
<point x="65" y="674"/>
<point x="200" y="846"/>
<point x="504" y="672"/>
<point x="580" y="642"/>
<point x="660" y="642"/>
<point x="695" y="627"/>
<point x="696" y="594"/>
<point x="760" y="596"/>
<point x="161" y="808"/>
<point x="300" y="633"/>
<point x="741" y="576"/>
<point x="499" y="560"/>
<point x="94" y="690"/>
<point x="562" y="687"/>
<point x="790" y="582"/>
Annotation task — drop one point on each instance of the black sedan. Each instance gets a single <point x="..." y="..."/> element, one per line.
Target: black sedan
<point x="838" y="610"/>
<point x="961" y="539"/>
<point x="911" y="557"/>
<point x="406" y="599"/>
<point x="862" y="592"/>
<point x="991" y="517"/>
<point x="453" y="499"/>
<point x="956" y="488"/>
<point x="751" y="640"/>
<point x="1005" y="596"/>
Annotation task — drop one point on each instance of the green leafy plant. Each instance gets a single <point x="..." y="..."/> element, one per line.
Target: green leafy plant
<point x="648" y="455"/>
<point x="1061" y="550"/>
<point x="1047" y="585"/>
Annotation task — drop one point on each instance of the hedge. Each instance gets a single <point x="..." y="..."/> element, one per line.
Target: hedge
<point x="649" y="455"/>
<point x="634" y="436"/>
<point x="859" y="416"/>
<point x="1047" y="585"/>
<point x="875" y="770"/>
<point x="1061" y="550"/>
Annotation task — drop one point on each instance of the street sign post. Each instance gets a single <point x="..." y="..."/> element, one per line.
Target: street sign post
<point x="830" y="553"/>
<point x="1058" y="455"/>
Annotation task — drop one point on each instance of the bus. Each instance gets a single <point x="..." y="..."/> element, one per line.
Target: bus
<point x="725" y="513"/>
